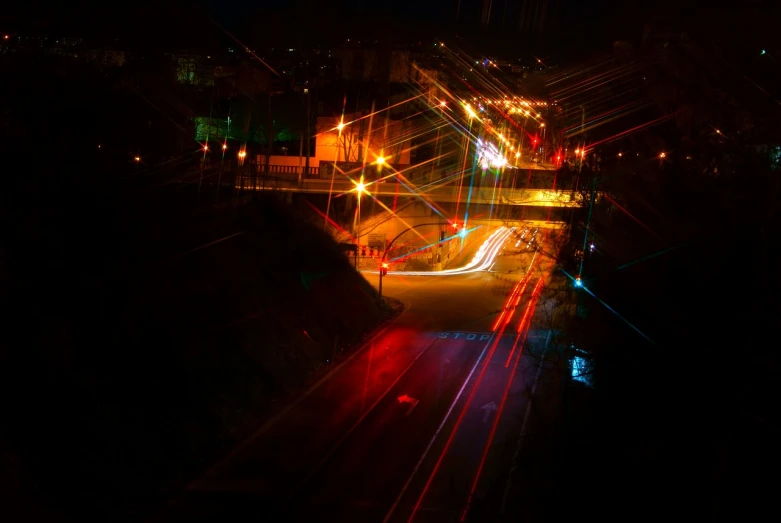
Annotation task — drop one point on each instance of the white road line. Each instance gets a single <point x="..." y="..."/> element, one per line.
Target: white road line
<point x="436" y="434"/>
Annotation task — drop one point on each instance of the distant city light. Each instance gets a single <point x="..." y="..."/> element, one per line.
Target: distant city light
<point x="340" y="126"/>
<point x="620" y="155"/>
<point x="488" y="155"/>
<point x="380" y="160"/>
<point x="137" y="159"/>
<point x="443" y="103"/>
<point x="662" y="155"/>
<point x="578" y="282"/>
<point x="242" y="154"/>
<point x="224" y="146"/>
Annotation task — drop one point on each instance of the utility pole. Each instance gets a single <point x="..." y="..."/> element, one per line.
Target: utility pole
<point x="583" y="140"/>
<point x="269" y="136"/>
<point x="308" y="134"/>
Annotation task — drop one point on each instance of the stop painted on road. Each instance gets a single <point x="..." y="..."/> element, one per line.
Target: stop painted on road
<point x="471" y="336"/>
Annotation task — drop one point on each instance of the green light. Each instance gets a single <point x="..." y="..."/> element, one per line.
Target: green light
<point x="763" y="52"/>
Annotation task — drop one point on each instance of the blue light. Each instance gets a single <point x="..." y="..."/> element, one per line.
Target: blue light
<point x="578" y="282"/>
<point x="462" y="233"/>
<point x="581" y="370"/>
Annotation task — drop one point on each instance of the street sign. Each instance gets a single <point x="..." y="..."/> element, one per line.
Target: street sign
<point x="377" y="240"/>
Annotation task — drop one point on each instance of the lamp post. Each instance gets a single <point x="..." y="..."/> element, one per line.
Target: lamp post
<point x="339" y="128"/>
<point x="384" y="264"/>
<point x="360" y="188"/>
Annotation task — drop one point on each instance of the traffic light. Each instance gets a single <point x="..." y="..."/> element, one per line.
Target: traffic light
<point x="384" y="269"/>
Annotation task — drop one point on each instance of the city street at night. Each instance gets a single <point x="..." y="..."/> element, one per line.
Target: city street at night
<point x="438" y="378"/>
<point x="389" y="262"/>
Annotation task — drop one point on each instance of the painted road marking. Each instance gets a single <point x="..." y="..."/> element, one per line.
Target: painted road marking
<point x="488" y="407"/>
<point x="471" y="336"/>
<point x="408" y="399"/>
<point x="436" y="434"/>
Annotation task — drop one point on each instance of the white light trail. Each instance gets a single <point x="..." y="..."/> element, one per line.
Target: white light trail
<point x="482" y="260"/>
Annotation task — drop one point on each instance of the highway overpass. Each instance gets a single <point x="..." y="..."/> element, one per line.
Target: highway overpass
<point x="431" y="193"/>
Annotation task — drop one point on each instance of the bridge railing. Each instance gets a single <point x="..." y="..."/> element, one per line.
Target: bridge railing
<point x="312" y="172"/>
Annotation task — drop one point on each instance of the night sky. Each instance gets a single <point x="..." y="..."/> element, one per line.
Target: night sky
<point x="568" y="23"/>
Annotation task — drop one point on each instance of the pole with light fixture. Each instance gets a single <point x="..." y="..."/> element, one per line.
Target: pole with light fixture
<point x="339" y="128"/>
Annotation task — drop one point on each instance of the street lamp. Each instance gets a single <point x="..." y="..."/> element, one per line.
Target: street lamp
<point x="360" y="188"/>
<point x="339" y="127"/>
<point x="384" y="265"/>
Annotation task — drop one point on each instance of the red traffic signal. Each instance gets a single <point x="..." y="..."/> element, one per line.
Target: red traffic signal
<point x="384" y="269"/>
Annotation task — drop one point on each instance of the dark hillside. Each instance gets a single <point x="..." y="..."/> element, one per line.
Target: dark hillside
<point x="143" y="334"/>
<point x="156" y="360"/>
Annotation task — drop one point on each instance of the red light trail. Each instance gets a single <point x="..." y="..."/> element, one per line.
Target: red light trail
<point x="531" y="306"/>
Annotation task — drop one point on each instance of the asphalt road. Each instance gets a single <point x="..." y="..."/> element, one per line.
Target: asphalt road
<point x="415" y="424"/>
